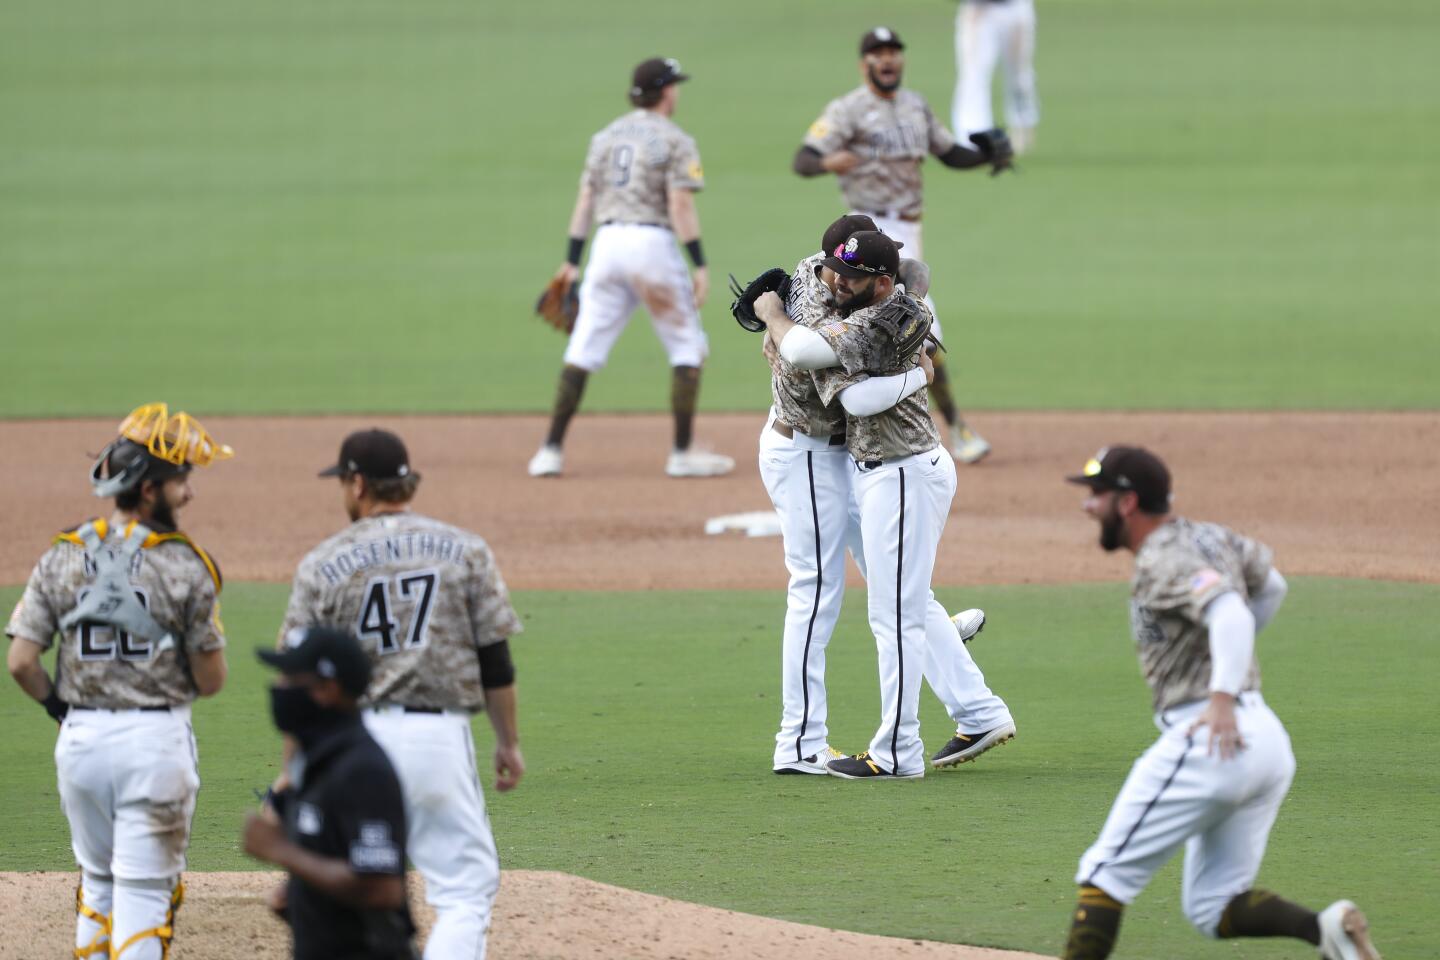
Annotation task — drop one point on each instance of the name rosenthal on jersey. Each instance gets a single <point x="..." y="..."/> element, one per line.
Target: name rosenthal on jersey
<point x="421" y="595"/>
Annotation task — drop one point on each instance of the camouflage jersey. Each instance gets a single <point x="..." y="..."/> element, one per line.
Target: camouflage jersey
<point x="1179" y="569"/>
<point x="891" y="138"/>
<point x="866" y="350"/>
<point x="100" y="666"/>
<point x="797" y="400"/>
<point x="421" y="595"/>
<point x="635" y="162"/>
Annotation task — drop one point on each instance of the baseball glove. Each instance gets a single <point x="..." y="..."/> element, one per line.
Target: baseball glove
<point x="743" y="309"/>
<point x="907" y="321"/>
<point x="559" y="304"/>
<point x="995" y="145"/>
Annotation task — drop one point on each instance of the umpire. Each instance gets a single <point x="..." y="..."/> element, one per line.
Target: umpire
<point x="340" y="831"/>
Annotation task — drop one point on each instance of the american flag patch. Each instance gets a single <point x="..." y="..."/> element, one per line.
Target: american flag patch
<point x="1204" y="580"/>
<point x="833" y="329"/>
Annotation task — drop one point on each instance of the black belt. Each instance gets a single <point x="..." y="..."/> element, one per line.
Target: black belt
<point x="788" y="432"/>
<point x="81" y="706"/>
<point x="634" y="223"/>
<point x="423" y="709"/>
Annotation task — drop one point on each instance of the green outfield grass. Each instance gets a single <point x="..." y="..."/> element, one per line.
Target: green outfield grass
<point x="648" y="722"/>
<point x="351" y="206"/>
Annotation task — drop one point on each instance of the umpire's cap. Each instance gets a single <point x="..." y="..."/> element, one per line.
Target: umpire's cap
<point x="326" y="652"/>
<point x="656" y="74"/>
<point x="1129" y="468"/>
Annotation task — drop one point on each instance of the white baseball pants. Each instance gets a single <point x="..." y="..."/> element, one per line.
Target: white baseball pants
<point x="1221" y="811"/>
<point x="904" y="505"/>
<point x="632" y="265"/>
<point x="987" y="34"/>
<point x="448" y="833"/>
<point x="128" y="781"/>
<point x="811" y="487"/>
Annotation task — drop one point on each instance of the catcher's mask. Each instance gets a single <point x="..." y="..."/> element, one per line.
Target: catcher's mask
<point x="153" y="445"/>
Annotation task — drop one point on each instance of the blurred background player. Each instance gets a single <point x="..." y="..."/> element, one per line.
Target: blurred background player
<point x="874" y="140"/>
<point x="640" y="179"/>
<point x="428" y="604"/>
<point x="991" y="33"/>
<point x="135" y="604"/>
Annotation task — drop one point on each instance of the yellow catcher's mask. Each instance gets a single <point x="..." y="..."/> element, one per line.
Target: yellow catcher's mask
<point x="177" y="439"/>
<point x="153" y="444"/>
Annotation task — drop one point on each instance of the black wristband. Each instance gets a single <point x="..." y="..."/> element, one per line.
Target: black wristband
<point x="572" y="253"/>
<point x="54" y="706"/>
<point x="697" y="256"/>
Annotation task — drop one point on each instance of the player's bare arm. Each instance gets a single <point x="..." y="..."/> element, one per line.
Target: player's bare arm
<point x="686" y="221"/>
<point x="502" y="706"/>
<point x="265" y="840"/>
<point x="810" y="162"/>
<point x="209" y="670"/>
<point x="23" y="660"/>
<point x="580" y="219"/>
<point x="915" y="275"/>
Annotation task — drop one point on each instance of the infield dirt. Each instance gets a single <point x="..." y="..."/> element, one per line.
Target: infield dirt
<point x="1336" y="494"/>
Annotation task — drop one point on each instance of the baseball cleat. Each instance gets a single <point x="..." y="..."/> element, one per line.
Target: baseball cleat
<point x="964" y="747"/>
<point x="969" y="622"/>
<point x="1345" y="933"/>
<point x="547" y="462"/>
<point x="967" y="446"/>
<point x="813" y="764"/>
<point x="861" y="767"/>
<point x="698" y="463"/>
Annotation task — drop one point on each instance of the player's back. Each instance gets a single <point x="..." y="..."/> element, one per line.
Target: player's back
<point x="634" y="162"/>
<point x="421" y="595"/>
<point x="102" y="666"/>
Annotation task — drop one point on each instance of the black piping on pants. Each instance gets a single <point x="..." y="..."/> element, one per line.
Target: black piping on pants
<point x="814" y="607"/>
<point x="899" y="624"/>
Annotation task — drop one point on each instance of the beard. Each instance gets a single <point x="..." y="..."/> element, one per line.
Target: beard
<point x="162" y="516"/>
<point x="856" y="299"/>
<point x="1112" y="531"/>
<point x="885" y="86"/>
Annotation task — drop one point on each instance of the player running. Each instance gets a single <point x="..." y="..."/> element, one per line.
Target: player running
<point x="1214" y="781"/>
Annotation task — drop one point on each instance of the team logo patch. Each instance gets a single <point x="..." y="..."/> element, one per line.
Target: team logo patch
<point x="1203" y="581"/>
<point x="308" y="819"/>
<point x="851" y="244"/>
<point x="818" y="129"/>
<point x="695" y="171"/>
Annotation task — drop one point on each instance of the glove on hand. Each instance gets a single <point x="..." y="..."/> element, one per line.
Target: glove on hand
<point x="907" y="321"/>
<point x="743" y="309"/>
<point x="995" y="145"/>
<point x="559" y="304"/>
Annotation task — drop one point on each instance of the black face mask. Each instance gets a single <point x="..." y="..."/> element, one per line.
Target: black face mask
<point x="296" y="713"/>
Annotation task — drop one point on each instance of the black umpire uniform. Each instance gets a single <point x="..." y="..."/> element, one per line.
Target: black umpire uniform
<point x="345" y="805"/>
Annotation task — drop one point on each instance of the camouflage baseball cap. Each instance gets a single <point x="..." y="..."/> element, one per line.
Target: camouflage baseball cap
<point x="1129" y="468"/>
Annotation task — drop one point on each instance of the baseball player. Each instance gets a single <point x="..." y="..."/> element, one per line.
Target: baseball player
<point x="874" y="140"/>
<point x="1214" y="780"/>
<point x="640" y="179"/>
<point x="429" y="606"/>
<point x="991" y="33"/>
<point x="135" y="606"/>
<point x="807" y="472"/>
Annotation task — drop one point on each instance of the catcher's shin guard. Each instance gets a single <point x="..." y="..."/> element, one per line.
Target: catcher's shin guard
<point x="88" y="919"/>
<point x="163" y="932"/>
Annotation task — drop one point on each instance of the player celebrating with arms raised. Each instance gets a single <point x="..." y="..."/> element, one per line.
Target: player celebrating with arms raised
<point x="1215" y="779"/>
